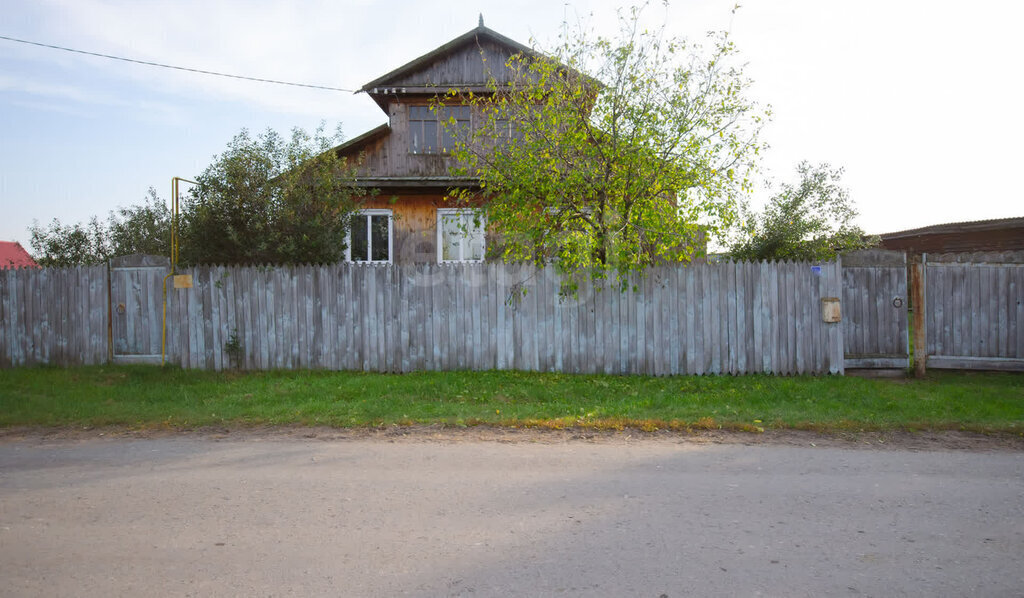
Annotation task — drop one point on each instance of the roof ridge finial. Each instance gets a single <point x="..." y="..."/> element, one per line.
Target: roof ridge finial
<point x="481" y="23"/>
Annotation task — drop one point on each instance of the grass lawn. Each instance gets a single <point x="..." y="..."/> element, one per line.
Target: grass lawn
<point x="147" y="396"/>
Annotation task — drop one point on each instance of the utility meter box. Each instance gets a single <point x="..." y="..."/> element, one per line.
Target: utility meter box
<point x="830" y="310"/>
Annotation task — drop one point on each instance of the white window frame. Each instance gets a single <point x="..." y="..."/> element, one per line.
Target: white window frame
<point x="369" y="236"/>
<point x="441" y="213"/>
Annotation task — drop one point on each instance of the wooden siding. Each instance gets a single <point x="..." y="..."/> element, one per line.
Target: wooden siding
<point x="474" y="64"/>
<point x="415" y="225"/>
<point x="389" y="155"/>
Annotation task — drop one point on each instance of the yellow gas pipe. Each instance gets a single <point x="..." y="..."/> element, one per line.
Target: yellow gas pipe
<point x="174" y="257"/>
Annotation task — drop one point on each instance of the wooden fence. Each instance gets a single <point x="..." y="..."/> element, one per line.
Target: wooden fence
<point x="54" y="316"/>
<point x="706" y="319"/>
<point x="974" y="315"/>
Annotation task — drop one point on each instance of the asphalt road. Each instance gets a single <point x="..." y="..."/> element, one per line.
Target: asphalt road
<point x="200" y="517"/>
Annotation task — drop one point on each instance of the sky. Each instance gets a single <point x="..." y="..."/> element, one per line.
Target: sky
<point x="919" y="101"/>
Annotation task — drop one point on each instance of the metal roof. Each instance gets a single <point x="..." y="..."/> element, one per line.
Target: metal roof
<point x="957" y="227"/>
<point x="13" y="255"/>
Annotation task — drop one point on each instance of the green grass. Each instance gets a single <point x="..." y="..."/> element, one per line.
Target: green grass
<point x="144" y="396"/>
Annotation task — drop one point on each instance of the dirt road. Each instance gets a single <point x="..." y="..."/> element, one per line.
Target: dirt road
<point x="198" y="516"/>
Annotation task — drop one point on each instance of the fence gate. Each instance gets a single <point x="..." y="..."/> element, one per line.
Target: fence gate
<point x="136" y="307"/>
<point x="975" y="312"/>
<point x="875" y="322"/>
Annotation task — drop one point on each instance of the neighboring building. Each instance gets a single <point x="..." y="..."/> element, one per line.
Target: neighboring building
<point x="1002" y="235"/>
<point x="13" y="255"/>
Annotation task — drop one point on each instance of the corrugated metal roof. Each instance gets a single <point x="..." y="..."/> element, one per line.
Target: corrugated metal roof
<point x="13" y="255"/>
<point x="957" y="227"/>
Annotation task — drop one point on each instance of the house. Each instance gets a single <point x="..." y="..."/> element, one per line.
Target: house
<point x="1003" y="235"/>
<point x="406" y="158"/>
<point x="13" y="255"/>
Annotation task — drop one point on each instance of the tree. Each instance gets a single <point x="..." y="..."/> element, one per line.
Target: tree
<point x="628" y="168"/>
<point x="271" y="200"/>
<point x="264" y="200"/>
<point x="142" y="228"/>
<point x="812" y="221"/>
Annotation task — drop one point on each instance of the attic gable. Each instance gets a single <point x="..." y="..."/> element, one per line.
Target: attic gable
<point x="468" y="62"/>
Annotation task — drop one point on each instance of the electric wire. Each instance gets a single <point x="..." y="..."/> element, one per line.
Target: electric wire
<point x="170" y="66"/>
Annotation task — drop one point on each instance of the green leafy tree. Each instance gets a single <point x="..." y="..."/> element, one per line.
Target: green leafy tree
<point x="142" y="228"/>
<point x="626" y="168"/>
<point x="264" y="200"/>
<point x="811" y="221"/>
<point x="268" y="199"/>
<point x="62" y="245"/>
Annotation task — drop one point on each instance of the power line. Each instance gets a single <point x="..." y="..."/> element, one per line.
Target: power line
<point x="170" y="66"/>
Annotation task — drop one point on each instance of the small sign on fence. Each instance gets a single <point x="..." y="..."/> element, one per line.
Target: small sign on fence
<point x="183" y="281"/>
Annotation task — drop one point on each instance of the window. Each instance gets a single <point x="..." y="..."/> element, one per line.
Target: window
<point x="460" y="235"/>
<point x="431" y="132"/>
<point x="453" y="123"/>
<point x="422" y="130"/>
<point x="369" y="238"/>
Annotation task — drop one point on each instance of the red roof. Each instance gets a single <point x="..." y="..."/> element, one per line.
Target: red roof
<point x="13" y="255"/>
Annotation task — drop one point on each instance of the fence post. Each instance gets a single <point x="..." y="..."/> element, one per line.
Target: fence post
<point x="917" y="292"/>
<point x="110" y="317"/>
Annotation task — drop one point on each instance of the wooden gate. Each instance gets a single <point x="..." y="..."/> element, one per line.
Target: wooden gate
<point x="975" y="313"/>
<point x="136" y="307"/>
<point x="875" y="322"/>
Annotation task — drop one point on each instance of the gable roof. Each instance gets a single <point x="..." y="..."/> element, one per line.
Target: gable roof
<point x="358" y="141"/>
<point x="13" y="255"/>
<point x="473" y="38"/>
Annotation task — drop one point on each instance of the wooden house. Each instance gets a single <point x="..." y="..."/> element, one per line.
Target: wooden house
<point x="407" y="158"/>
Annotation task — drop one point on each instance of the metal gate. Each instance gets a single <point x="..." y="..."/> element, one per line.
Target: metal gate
<point x="875" y="321"/>
<point x="136" y="307"/>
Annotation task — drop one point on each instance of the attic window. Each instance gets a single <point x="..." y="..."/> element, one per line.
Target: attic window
<point x="431" y="133"/>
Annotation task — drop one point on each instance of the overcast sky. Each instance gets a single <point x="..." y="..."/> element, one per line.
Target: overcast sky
<point x="921" y="102"/>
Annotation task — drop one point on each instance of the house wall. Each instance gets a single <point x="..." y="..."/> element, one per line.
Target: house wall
<point x="415" y="225"/>
<point x="472" y="67"/>
<point x="389" y="156"/>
